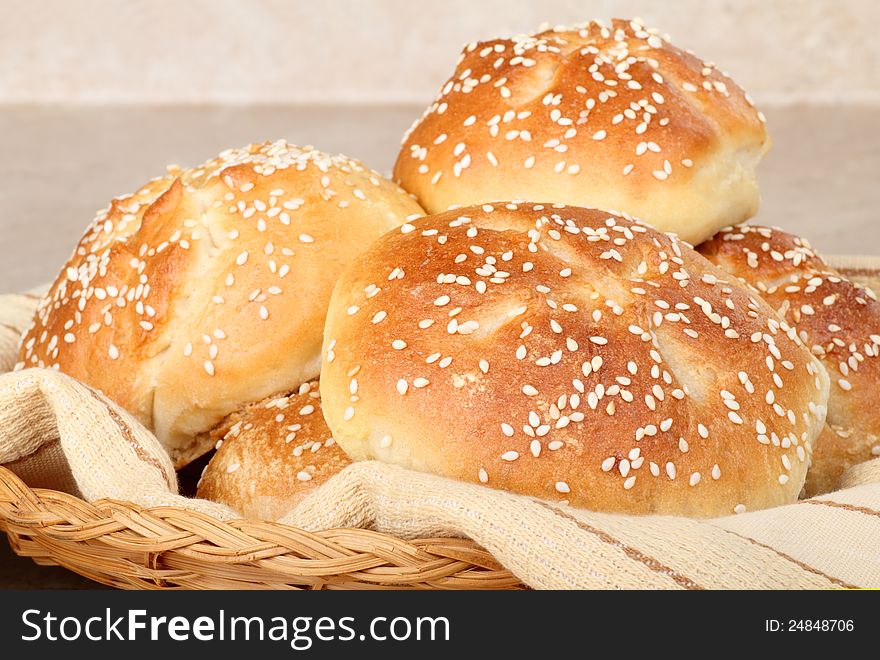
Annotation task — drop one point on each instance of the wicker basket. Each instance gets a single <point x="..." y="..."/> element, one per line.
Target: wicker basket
<point x="123" y="545"/>
<point x="126" y="546"/>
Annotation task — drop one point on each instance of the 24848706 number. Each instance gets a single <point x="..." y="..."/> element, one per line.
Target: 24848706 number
<point x="809" y="625"/>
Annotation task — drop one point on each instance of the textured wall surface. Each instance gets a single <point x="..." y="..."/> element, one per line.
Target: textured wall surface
<point x="284" y="51"/>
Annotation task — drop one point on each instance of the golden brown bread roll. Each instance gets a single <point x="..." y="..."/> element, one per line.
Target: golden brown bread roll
<point x="836" y="318"/>
<point x="271" y="454"/>
<point x="613" y="117"/>
<point x="572" y="354"/>
<point x="206" y="289"/>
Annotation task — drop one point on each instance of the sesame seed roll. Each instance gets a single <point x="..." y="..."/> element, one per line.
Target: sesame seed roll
<point x="207" y="288"/>
<point x="613" y="117"/>
<point x="837" y="319"/>
<point x="571" y="354"/>
<point x="271" y="454"/>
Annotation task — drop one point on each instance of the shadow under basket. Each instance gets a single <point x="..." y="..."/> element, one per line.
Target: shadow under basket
<point x="126" y="546"/>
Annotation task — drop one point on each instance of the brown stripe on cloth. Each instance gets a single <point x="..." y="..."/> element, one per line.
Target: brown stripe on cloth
<point x="128" y="434"/>
<point x="845" y="507"/>
<point x="629" y="551"/>
<point x="796" y="562"/>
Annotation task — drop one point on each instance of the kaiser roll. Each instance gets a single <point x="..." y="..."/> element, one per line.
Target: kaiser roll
<point x="271" y="454"/>
<point x="207" y="288"/>
<point x="571" y="354"/>
<point x="592" y="115"/>
<point x="837" y="319"/>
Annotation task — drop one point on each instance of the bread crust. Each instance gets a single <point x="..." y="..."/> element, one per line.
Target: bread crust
<point x="613" y="117"/>
<point x="836" y="318"/>
<point x="206" y="289"/>
<point x="271" y="455"/>
<point x="570" y="354"/>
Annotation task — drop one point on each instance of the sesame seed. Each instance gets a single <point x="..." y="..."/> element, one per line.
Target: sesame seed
<point x="509" y="456"/>
<point x="562" y="487"/>
<point x="483" y="476"/>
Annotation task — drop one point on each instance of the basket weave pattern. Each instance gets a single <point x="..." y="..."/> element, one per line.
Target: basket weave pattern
<point x="129" y="547"/>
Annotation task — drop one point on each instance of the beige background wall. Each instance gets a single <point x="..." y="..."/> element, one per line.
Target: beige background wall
<point x="277" y="51"/>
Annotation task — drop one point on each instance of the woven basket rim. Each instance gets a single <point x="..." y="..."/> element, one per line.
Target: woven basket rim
<point x="124" y="545"/>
